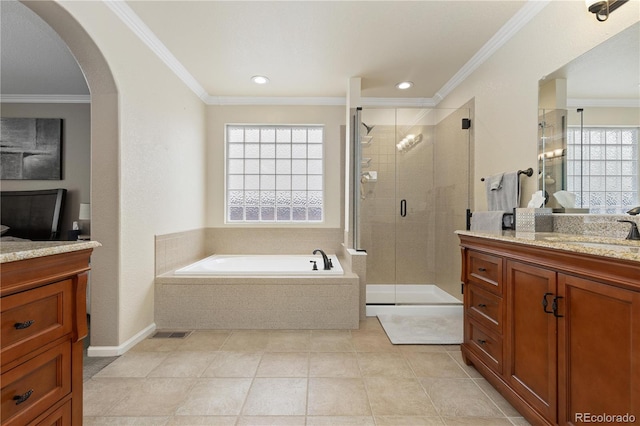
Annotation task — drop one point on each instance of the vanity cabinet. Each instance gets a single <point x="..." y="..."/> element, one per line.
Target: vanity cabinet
<point x="43" y="323"/>
<point x="556" y="332"/>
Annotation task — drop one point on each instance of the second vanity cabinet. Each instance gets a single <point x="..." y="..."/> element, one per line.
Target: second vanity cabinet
<point x="556" y="332"/>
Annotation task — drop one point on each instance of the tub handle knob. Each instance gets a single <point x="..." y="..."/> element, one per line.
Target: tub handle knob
<point x="315" y="265"/>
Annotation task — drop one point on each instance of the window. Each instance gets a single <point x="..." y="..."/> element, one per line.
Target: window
<point x="609" y="161"/>
<point x="274" y="173"/>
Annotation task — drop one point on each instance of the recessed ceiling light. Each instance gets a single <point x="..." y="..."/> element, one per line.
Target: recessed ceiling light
<point x="404" y="85"/>
<point x="259" y="79"/>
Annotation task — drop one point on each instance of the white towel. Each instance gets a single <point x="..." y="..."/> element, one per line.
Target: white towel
<point x="507" y="197"/>
<point x="495" y="181"/>
<point x="487" y="221"/>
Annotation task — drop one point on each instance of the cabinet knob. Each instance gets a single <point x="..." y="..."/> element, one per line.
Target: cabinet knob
<point x="482" y="342"/>
<point x="482" y="269"/>
<point x="19" y="399"/>
<point x="481" y="305"/>
<point x="23" y="325"/>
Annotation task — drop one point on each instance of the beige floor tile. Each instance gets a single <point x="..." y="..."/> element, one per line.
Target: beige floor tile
<point x="271" y="421"/>
<point x="519" y="421"/>
<point x="202" y="421"/>
<point x="158" y="345"/>
<point x="337" y="397"/>
<point x="153" y="397"/>
<point x="99" y="395"/>
<point x="276" y="397"/>
<point x="434" y="364"/>
<point x="133" y="364"/>
<point x="498" y="399"/>
<point x="125" y="421"/>
<point x="215" y="397"/>
<point x="371" y="323"/>
<point x="408" y="421"/>
<point x="184" y="364"/>
<point x="284" y="364"/>
<point x="384" y="364"/>
<point x="205" y="341"/>
<point x="469" y="369"/>
<point x="233" y="364"/>
<point x="340" y="420"/>
<point x="289" y="341"/>
<point x="246" y="341"/>
<point x="331" y="341"/>
<point x="333" y="364"/>
<point x="428" y="348"/>
<point x="372" y="341"/>
<point x="459" y="398"/>
<point x="398" y="397"/>
<point x="476" y="421"/>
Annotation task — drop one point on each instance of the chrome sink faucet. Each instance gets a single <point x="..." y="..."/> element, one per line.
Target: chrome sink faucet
<point x="327" y="262"/>
<point x="634" y="234"/>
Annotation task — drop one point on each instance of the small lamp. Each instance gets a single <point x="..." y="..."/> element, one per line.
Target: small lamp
<point x="85" y="211"/>
<point x="85" y="215"/>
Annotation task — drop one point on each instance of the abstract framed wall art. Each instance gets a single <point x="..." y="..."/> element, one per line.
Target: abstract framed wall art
<point x="31" y="148"/>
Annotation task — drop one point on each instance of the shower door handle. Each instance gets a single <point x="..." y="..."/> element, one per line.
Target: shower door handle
<point x="403" y="208"/>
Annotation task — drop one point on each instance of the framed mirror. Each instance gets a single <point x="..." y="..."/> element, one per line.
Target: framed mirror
<point x="588" y="129"/>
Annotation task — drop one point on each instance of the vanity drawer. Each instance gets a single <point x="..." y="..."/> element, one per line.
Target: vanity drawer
<point x="486" y="345"/>
<point x="36" y="385"/>
<point x="485" y="270"/>
<point x="33" y="318"/>
<point x="486" y="308"/>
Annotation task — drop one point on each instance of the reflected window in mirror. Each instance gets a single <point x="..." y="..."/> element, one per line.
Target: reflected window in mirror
<point x="602" y="168"/>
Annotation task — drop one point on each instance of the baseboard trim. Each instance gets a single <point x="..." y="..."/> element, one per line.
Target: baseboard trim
<point x="102" y="351"/>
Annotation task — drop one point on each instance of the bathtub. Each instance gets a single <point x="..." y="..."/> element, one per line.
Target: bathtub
<point x="261" y="265"/>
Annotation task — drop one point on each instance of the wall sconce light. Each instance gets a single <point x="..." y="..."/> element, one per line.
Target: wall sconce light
<point x="408" y="142"/>
<point x="602" y="8"/>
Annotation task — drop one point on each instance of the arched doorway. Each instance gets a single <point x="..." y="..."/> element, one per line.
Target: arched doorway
<point x="105" y="227"/>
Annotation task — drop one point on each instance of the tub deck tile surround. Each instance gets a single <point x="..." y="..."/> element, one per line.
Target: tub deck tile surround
<point x="257" y="302"/>
<point x="330" y="302"/>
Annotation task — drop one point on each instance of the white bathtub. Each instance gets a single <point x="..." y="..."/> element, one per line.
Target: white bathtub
<point x="263" y="265"/>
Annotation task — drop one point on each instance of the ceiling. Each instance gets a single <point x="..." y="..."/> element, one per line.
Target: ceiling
<point x="306" y="48"/>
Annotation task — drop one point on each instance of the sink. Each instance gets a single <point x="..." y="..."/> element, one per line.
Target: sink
<point x="605" y="246"/>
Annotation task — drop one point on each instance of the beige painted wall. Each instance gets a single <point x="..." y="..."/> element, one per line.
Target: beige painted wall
<point x="332" y="117"/>
<point x="161" y="169"/>
<point x="76" y="149"/>
<point x="505" y="87"/>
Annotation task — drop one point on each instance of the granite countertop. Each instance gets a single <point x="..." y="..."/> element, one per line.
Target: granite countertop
<point x="599" y="246"/>
<point x="12" y="251"/>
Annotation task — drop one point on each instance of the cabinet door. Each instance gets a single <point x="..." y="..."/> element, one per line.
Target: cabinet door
<point x="531" y="357"/>
<point x="599" y="350"/>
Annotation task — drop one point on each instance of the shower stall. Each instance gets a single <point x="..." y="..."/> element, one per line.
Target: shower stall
<point x="410" y="191"/>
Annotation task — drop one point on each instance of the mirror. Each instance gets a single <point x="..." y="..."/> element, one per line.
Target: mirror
<point x="588" y="129"/>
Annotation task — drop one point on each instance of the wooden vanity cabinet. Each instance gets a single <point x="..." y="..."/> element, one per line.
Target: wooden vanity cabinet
<point x="44" y="320"/>
<point x="570" y="337"/>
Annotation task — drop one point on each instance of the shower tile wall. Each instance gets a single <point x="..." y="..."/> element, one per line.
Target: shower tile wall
<point x="382" y="229"/>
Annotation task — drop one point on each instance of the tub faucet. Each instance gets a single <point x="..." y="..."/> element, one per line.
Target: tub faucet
<point x="634" y="234"/>
<point x="327" y="262"/>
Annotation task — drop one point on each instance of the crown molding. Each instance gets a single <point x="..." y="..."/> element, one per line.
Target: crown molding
<point x="139" y="28"/>
<point x="400" y="102"/>
<point x="275" y="100"/>
<point x="603" y="103"/>
<point x="45" y="99"/>
<point x="504" y="34"/>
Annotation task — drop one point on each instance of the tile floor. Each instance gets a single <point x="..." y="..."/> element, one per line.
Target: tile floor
<point x="277" y="377"/>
